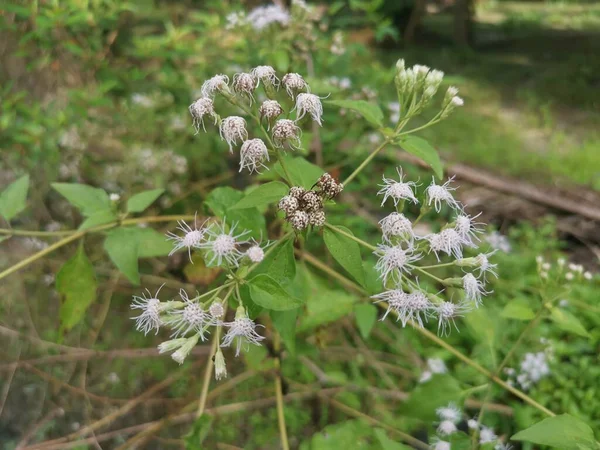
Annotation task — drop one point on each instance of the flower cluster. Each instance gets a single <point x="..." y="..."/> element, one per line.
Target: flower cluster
<point x="561" y="271"/>
<point x="305" y="207"/>
<point x="533" y="367"/>
<point x="402" y="247"/>
<point x="450" y="417"/>
<point x="434" y="366"/>
<point x="284" y="133"/>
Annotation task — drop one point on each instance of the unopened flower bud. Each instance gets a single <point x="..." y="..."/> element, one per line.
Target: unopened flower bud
<point x="220" y="367"/>
<point x="317" y="218"/>
<point x="297" y="192"/>
<point x="299" y="220"/>
<point x="288" y="204"/>
<point x="311" y="201"/>
<point x="180" y="355"/>
<point x="216" y="309"/>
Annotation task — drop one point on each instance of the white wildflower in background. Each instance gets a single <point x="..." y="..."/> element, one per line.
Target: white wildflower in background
<point x="309" y="104"/>
<point x="474" y="289"/>
<point x="114" y="197"/>
<point x="294" y="83"/>
<point x="199" y="109"/>
<point x="192" y="237"/>
<point x="533" y="368"/>
<point x="286" y="131"/>
<point x="397" y="225"/>
<point x="150" y="307"/>
<point x="438" y="194"/>
<point x="253" y="155"/>
<point x="337" y="46"/>
<point x="235" y="20"/>
<point x="397" y="190"/>
<point x="213" y="85"/>
<point x="242" y="330"/>
<point x="393" y="261"/>
<point x="439" y="444"/>
<point x="499" y="242"/>
<point x="232" y="129"/>
<point x="191" y="318"/>
<point x="487" y="435"/>
<point x="434" y="366"/>
<point x="143" y="100"/>
<point x="450" y="412"/>
<point x="222" y="245"/>
<point x="263" y="16"/>
<point x="446" y="428"/>
<point x="394" y="108"/>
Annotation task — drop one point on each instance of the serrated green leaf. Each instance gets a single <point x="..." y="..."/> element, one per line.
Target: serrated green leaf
<point x="98" y="218"/>
<point x="13" y="198"/>
<point x="564" y="431"/>
<point x="302" y="172"/>
<point x="518" y="309"/>
<point x="285" y="324"/>
<point x="140" y="201"/>
<point x="387" y="443"/>
<point x="269" y="294"/>
<point x="427" y="397"/>
<point x="422" y="149"/>
<point x="366" y="316"/>
<point x="122" y="248"/>
<point x="263" y="195"/>
<point x="87" y="199"/>
<point x="76" y="282"/>
<point x="370" y="111"/>
<point x="280" y="264"/>
<point x="346" y="252"/>
<point x="200" y="429"/>
<point x="568" y="322"/>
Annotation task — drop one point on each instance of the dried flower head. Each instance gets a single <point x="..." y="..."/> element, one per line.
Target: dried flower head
<point x="242" y="330"/>
<point x="397" y="190"/>
<point x="396" y="225"/>
<point x="317" y="218"/>
<point x="286" y="130"/>
<point x="253" y="155"/>
<point x="311" y="201"/>
<point x="150" y="307"/>
<point x="191" y="318"/>
<point x="329" y="186"/>
<point x="232" y="129"/>
<point x="199" y="109"/>
<point x="288" y="204"/>
<point x="216" y="84"/>
<point x="294" y="83"/>
<point x="192" y="237"/>
<point x="266" y="74"/>
<point x="393" y="261"/>
<point x="223" y="245"/>
<point x="309" y="104"/>
<point x="438" y="194"/>
<point x="244" y="83"/>
<point x="270" y="110"/>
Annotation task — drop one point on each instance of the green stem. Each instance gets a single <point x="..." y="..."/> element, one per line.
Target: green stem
<point x="279" y="395"/>
<point x="437" y="266"/>
<point x="10" y="232"/>
<point x="348" y="235"/>
<point x="367" y="160"/>
<point x="424" y="272"/>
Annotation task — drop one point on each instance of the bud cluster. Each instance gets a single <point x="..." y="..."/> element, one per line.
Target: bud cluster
<point x="402" y="247"/>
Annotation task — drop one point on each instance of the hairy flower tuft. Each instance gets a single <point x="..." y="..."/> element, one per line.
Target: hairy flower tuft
<point x="438" y="194"/>
<point x="266" y="74"/>
<point x="199" y="109"/>
<point x="192" y="318"/>
<point x="223" y="246"/>
<point x="242" y="329"/>
<point x="294" y="83"/>
<point x="216" y="310"/>
<point x="396" y="225"/>
<point x="270" y="110"/>
<point x="393" y="261"/>
<point x="446" y="241"/>
<point x="232" y="129"/>
<point x="286" y="130"/>
<point x="192" y="237"/>
<point x="309" y="104"/>
<point x="215" y="84"/>
<point x="474" y="289"/>
<point x="253" y="155"/>
<point x="447" y="313"/>
<point x="244" y="83"/>
<point x="150" y="307"/>
<point x="397" y="190"/>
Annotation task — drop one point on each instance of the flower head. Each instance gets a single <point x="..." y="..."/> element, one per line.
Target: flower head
<point x="286" y="130"/>
<point x="393" y="261"/>
<point x="450" y="412"/>
<point x="316" y="218"/>
<point x="288" y="204"/>
<point x="446" y="241"/>
<point x="441" y="445"/>
<point x="299" y="220"/>
<point x="446" y="427"/>
<point x="438" y="194"/>
<point x="150" y="307"/>
<point x="216" y="310"/>
<point x="397" y="190"/>
<point x="199" y="109"/>
<point x="232" y="129"/>
<point x="244" y="83"/>
<point x="242" y="328"/>
<point x="474" y="289"/>
<point x="329" y="186"/>
<point x="263" y="16"/>
<point x="467" y="228"/>
<point x="215" y="84"/>
<point x="294" y="83"/>
<point x="192" y="237"/>
<point x="192" y="318"/>
<point x="408" y="306"/>
<point x="396" y="225"/>
<point x="253" y="154"/>
<point x="255" y="252"/>
<point x="266" y="74"/>
<point x="270" y="110"/>
<point x="447" y="313"/>
<point x="309" y="104"/>
<point x="484" y="265"/>
<point x="224" y="245"/>
<point x="487" y="435"/>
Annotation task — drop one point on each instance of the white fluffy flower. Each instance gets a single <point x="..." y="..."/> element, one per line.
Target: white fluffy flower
<point x="484" y="265"/>
<point x="474" y="289"/>
<point x="223" y="246"/>
<point x="393" y="261"/>
<point x="150" y="307"/>
<point x="534" y="367"/>
<point x="255" y="253"/>
<point x="450" y="412"/>
<point x="309" y="104"/>
<point x="397" y="225"/>
<point x="447" y="313"/>
<point x="242" y="329"/>
<point x="467" y="228"/>
<point x="446" y="241"/>
<point x="457" y="101"/>
<point x="216" y="310"/>
<point x="294" y="83"/>
<point x="232" y="129"/>
<point x="192" y="237"/>
<point x="473" y="424"/>
<point x="487" y="435"/>
<point x="266" y="74"/>
<point x="500" y="242"/>
<point x="191" y="318"/>
<point x="286" y="130"/>
<point x="199" y="109"/>
<point x="446" y="428"/>
<point x="438" y="194"/>
<point x="397" y="190"/>
<point x="213" y="85"/>
<point x="441" y="445"/>
<point x="253" y="155"/>
<point x="263" y="16"/>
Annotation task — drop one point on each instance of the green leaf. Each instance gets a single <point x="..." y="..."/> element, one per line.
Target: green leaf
<point x="302" y="172"/>
<point x="76" y="282"/>
<point x="387" y="443"/>
<point x="139" y="202"/>
<point x="568" y="322"/>
<point x="422" y="149"/>
<point x="285" y="324"/>
<point x="352" y="434"/>
<point x="346" y="252"/>
<point x="122" y="248"/>
<point x="366" y="316"/>
<point x="98" y="218"/>
<point x="151" y="243"/>
<point x="87" y="199"/>
<point x="427" y="397"/>
<point x="370" y="111"/>
<point x="263" y="195"/>
<point x="518" y="309"/>
<point x="564" y="431"/>
<point x="221" y="200"/>
<point x="280" y="264"/>
<point x="14" y="198"/>
<point x="269" y="294"/>
<point x="200" y="429"/>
